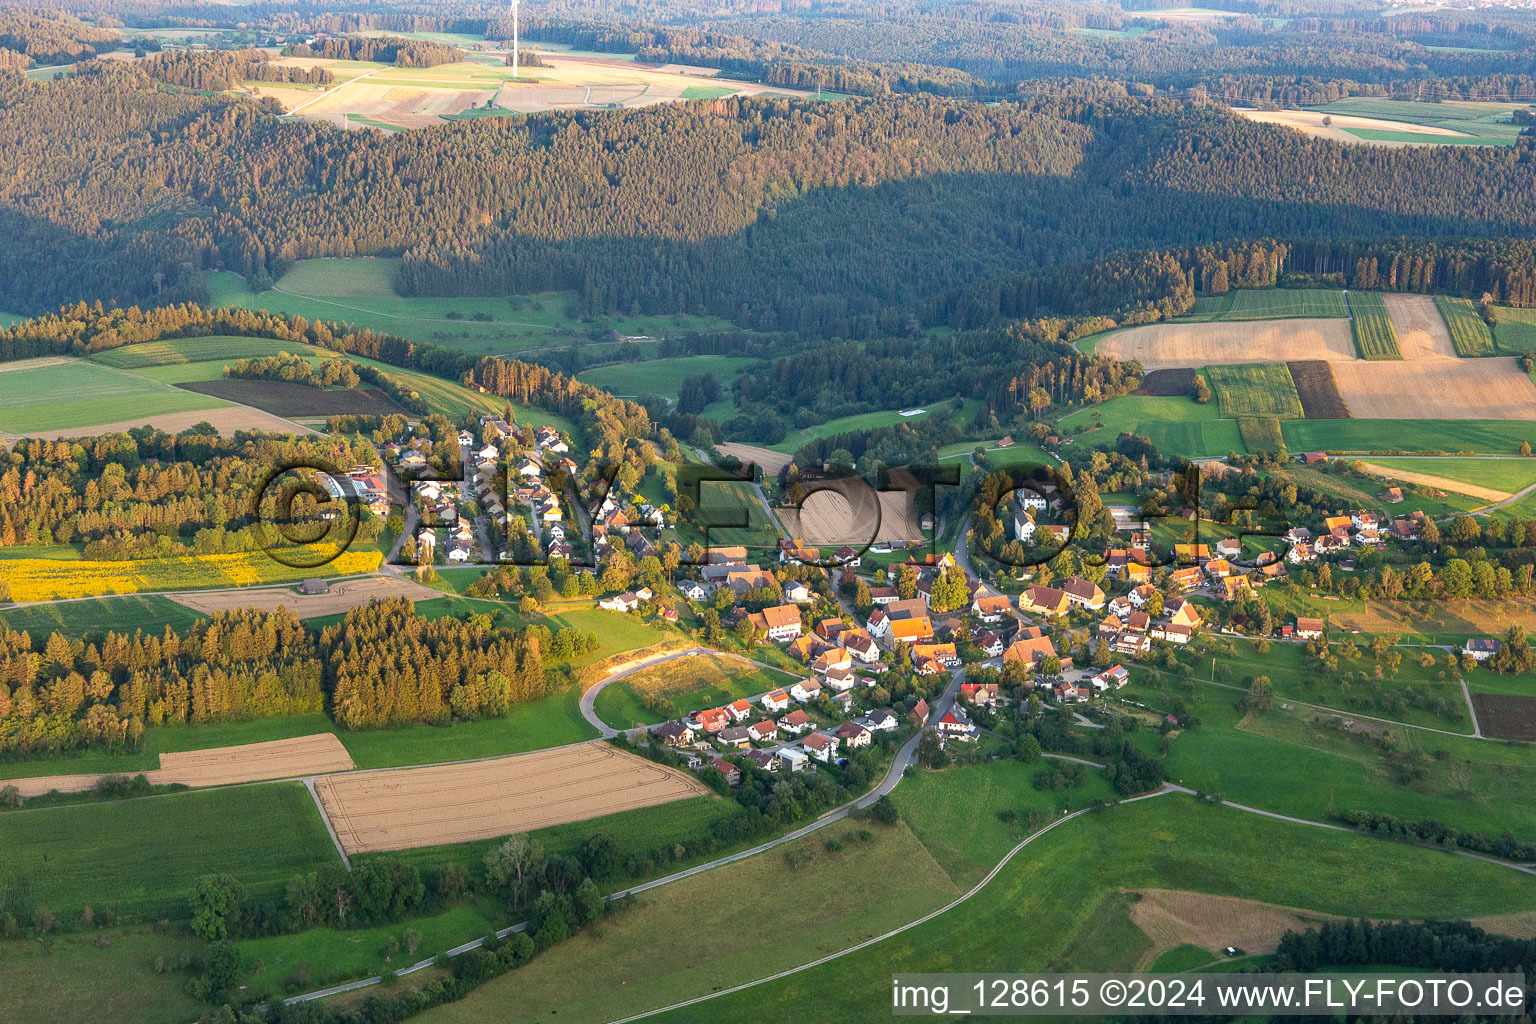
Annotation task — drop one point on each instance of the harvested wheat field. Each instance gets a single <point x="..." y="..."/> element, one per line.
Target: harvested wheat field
<point x="769" y="460"/>
<point x="252" y="762"/>
<point x="1172" y="346"/>
<point x="1421" y="330"/>
<point x="1310" y="122"/>
<point x="33" y="364"/>
<point x="857" y="515"/>
<point x="225" y="421"/>
<point x="1436" y="389"/>
<point x="1172" y="918"/>
<point x="410" y="807"/>
<point x="414" y="106"/>
<point x="1428" y="480"/>
<point x="342" y="597"/>
<point x="219" y="766"/>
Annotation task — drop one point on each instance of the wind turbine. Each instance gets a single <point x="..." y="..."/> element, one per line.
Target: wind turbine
<point x="514" y="37"/>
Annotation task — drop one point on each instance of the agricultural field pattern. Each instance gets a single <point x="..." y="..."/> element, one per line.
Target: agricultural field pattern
<point x="599" y="512"/>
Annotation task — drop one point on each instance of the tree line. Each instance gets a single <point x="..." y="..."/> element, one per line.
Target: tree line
<point x="382" y="665"/>
<point x="402" y="53"/>
<point x="225" y="69"/>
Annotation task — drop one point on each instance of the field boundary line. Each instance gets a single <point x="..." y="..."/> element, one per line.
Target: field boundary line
<point x="332" y="92"/>
<point x="330" y="829"/>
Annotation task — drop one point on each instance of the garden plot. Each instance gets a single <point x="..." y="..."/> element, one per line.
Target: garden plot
<point x="432" y="806"/>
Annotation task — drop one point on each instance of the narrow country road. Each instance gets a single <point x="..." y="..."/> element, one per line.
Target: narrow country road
<point x="905" y="757"/>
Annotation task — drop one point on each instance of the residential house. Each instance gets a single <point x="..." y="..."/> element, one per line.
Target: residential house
<point x="852" y="736"/>
<point x="796" y="722"/>
<point x="796" y="592"/>
<point x="1083" y="593"/>
<point x="1308" y="629"/>
<point x="1481" y="648"/>
<point x="1113" y="678"/>
<point x="1229" y="547"/>
<point x="793" y="759"/>
<point x="839" y="679"/>
<point x="944" y="654"/>
<point x="989" y="643"/>
<point x="920" y="711"/>
<point x="1187" y="578"/>
<point x="831" y="629"/>
<point x="820" y="746"/>
<point x="739" y="710"/>
<point x="731" y="772"/>
<point x="1234" y="587"/>
<point x="735" y="736"/>
<point x="713" y="720"/>
<point x="763" y="731"/>
<point x="1029" y="651"/>
<point x="805" y="690"/>
<point x="882" y="596"/>
<point x="1070" y="693"/>
<point x="674" y="734"/>
<point x="990" y="608"/>
<point x="1142" y="595"/>
<point x="626" y="602"/>
<point x="765" y="760"/>
<point x="780" y="622"/>
<point x="1171" y="633"/>
<point x="879" y="624"/>
<point x="860" y="645"/>
<point x="776" y="700"/>
<point x="1043" y="600"/>
<point x="910" y="631"/>
<point x="979" y="693"/>
<point x="955" y="724"/>
<point x="1182" y="613"/>
<point x="881" y="720"/>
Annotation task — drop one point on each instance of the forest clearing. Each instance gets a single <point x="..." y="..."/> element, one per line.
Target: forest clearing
<point x="454" y="803"/>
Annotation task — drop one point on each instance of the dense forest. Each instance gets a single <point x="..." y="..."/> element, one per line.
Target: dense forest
<point x="224" y="69"/>
<point x="44" y="37"/>
<point x="402" y="53"/>
<point x="812" y="219"/>
<point x="382" y="665"/>
<point x="148" y="494"/>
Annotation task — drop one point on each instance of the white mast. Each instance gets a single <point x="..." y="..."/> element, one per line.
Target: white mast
<point x="514" y="38"/>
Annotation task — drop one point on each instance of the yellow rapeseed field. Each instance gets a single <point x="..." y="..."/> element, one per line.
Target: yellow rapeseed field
<point x="45" y="579"/>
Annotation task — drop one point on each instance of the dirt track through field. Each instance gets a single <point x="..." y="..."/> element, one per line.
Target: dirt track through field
<point x="1172" y="346"/>
<point x="1421" y="330"/>
<point x="1173" y="918"/>
<point x="219" y="766"/>
<point x="1437" y="389"/>
<point x="441" y="804"/>
<point x="1426" y="480"/>
<point x="342" y="597"/>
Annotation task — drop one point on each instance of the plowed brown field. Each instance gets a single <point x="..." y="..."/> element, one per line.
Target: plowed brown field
<point x="432" y="806"/>
<point x="1436" y="389"/>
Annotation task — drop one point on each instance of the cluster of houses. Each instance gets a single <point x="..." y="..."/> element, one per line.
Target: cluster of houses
<point x="781" y="737"/>
<point x="538" y="452"/>
<point x="1359" y="529"/>
<point x="364" y="484"/>
<point x="636" y="526"/>
<point x="1031" y="504"/>
<point x="435" y="500"/>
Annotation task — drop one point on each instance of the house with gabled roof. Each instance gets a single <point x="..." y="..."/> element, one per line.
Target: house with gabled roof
<point x="1042" y="600"/>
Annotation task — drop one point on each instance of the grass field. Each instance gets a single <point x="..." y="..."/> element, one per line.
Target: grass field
<point x="1469" y="332"/>
<point x="664" y="376"/>
<point x="1177" y="426"/>
<point x="1283" y="303"/>
<point x="143" y="856"/>
<point x="742" y="518"/>
<point x="719" y="928"/>
<point x="692" y="684"/>
<point x="44" y="579"/>
<point x="1489" y="120"/>
<point x="1255" y="389"/>
<point x="639" y="831"/>
<point x="92" y="983"/>
<point x="214" y="348"/>
<point x="361" y="291"/>
<point x="1371" y="325"/>
<point x="93" y="618"/>
<point x="77" y="393"/>
<point x="1037" y="912"/>
<point x="1514" y="330"/>
<point x="1383" y="135"/>
<point x="1500" y="474"/>
<point x="1490" y="437"/>
<point x="797" y="439"/>
<point x="1283" y="761"/>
